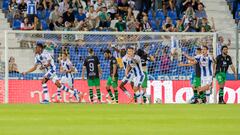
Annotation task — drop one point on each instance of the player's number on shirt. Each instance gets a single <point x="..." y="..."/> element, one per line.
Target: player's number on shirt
<point x="91" y="67"/>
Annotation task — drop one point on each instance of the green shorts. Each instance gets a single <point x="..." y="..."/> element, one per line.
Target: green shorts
<point x="112" y="83"/>
<point x="221" y="77"/>
<point x="94" y="82"/>
<point x="145" y="82"/>
<point x="196" y="82"/>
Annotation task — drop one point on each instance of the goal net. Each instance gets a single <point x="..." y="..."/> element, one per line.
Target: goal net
<point x="167" y="81"/>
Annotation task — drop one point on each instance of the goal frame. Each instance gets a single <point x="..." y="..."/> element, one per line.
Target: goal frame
<point x="7" y="32"/>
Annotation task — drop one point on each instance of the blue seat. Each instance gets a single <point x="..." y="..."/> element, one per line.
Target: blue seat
<point x="150" y="15"/>
<point x="174" y="22"/>
<point x="160" y="15"/>
<point x="237" y="15"/>
<point x="44" y="25"/>
<point x="40" y="14"/>
<point x="47" y="14"/>
<point x="172" y="14"/>
<point x="161" y="24"/>
<point x="154" y="25"/>
<point x="5" y="4"/>
<point x="16" y="24"/>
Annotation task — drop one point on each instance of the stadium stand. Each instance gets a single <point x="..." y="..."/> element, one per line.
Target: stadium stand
<point x="50" y="10"/>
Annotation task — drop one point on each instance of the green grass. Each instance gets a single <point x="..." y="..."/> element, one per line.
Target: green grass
<point x="73" y="119"/>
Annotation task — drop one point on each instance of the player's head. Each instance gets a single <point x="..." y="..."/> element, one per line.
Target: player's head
<point x="90" y="52"/>
<point x="224" y="50"/>
<point x="130" y="51"/>
<point x="140" y="52"/>
<point x="204" y="50"/>
<point x="64" y="56"/>
<point x="107" y="54"/>
<point x="39" y="47"/>
<point x="198" y="51"/>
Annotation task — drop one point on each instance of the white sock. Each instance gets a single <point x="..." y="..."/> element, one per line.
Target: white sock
<point x="67" y="89"/>
<point x="138" y="96"/>
<point x="45" y="91"/>
<point x="58" y="93"/>
<point x="208" y="93"/>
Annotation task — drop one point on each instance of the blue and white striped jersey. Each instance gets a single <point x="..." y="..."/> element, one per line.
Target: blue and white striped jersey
<point x="206" y="65"/>
<point x="136" y="66"/>
<point x="67" y="65"/>
<point x="31" y="7"/>
<point x="125" y="62"/>
<point x="43" y="58"/>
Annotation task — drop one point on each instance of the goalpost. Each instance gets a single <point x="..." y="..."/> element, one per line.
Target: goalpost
<point x="167" y="82"/>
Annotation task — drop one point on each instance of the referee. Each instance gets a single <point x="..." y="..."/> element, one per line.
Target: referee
<point x="223" y="61"/>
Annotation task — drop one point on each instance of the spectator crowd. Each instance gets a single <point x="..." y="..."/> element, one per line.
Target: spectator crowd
<point x="109" y="15"/>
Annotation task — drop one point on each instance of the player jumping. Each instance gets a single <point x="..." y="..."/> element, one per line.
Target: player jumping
<point x="46" y="62"/>
<point x="94" y="71"/>
<point x="144" y="58"/>
<point x="113" y="78"/>
<point x="135" y="66"/>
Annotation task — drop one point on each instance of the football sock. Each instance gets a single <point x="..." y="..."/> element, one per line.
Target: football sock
<point x="116" y="95"/>
<point x="58" y="93"/>
<point x="67" y="89"/>
<point x="91" y="94"/>
<point x="110" y="94"/>
<point x="144" y="97"/>
<point x="202" y="95"/>
<point x="221" y="92"/>
<point x="138" y="97"/>
<point x="99" y="94"/>
<point x="195" y="92"/>
<point x="45" y="91"/>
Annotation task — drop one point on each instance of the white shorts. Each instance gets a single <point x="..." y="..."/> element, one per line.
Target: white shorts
<point x="51" y="75"/>
<point x="128" y="78"/>
<point x="138" y="80"/>
<point x="207" y="81"/>
<point x="67" y="80"/>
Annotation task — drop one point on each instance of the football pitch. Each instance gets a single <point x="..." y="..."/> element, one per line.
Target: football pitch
<point x="104" y="119"/>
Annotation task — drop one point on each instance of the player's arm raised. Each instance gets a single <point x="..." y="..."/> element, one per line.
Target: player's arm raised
<point x="188" y="57"/>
